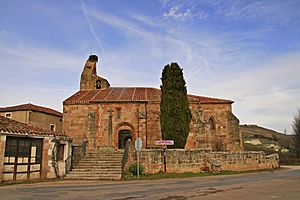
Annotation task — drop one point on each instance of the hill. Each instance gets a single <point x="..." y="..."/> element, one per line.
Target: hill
<point x="256" y="138"/>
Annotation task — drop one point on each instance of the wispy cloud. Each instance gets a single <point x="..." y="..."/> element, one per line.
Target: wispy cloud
<point x="175" y="12"/>
<point x="182" y="11"/>
<point x="267" y="95"/>
<point x="278" y="12"/>
<point x="90" y="25"/>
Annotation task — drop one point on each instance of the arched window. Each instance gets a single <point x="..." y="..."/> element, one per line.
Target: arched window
<point x="98" y="84"/>
<point x="212" y="123"/>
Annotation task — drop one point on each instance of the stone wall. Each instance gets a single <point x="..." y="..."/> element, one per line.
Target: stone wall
<point x="225" y="136"/>
<point x="78" y="153"/>
<point x="2" y="151"/>
<point x="179" y="161"/>
<point x="47" y="171"/>
<point x="142" y="119"/>
<point x="91" y="121"/>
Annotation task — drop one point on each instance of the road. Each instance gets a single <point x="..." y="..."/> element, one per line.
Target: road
<point x="280" y="184"/>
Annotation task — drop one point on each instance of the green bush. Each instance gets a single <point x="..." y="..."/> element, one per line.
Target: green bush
<point x="133" y="169"/>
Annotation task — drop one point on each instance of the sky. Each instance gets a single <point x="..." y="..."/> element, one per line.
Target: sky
<point x="246" y="51"/>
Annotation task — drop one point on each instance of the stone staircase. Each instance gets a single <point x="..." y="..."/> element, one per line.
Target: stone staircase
<point x="102" y="164"/>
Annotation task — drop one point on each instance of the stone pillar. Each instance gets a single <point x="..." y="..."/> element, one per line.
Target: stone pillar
<point x="2" y="151"/>
<point x="46" y="158"/>
<point x="110" y="128"/>
<point x="91" y="129"/>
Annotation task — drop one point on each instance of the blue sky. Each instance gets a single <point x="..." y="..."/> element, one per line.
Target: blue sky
<point x="246" y="51"/>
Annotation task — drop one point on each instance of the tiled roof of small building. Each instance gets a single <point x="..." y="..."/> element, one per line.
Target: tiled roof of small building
<point x="31" y="107"/>
<point x="10" y="126"/>
<point x="130" y="94"/>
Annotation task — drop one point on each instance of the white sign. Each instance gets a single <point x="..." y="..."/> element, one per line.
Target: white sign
<point x="138" y="144"/>
<point x="164" y="142"/>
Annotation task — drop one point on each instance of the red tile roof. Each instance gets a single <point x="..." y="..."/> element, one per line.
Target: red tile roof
<point x="32" y="108"/>
<point x="130" y="94"/>
<point x="10" y="126"/>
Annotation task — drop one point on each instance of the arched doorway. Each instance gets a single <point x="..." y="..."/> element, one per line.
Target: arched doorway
<point x="123" y="136"/>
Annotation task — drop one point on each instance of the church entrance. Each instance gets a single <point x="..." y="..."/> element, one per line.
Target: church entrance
<point x="123" y="136"/>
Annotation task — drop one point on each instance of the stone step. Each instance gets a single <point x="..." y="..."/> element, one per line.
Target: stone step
<point x="102" y="159"/>
<point x="99" y="163"/>
<point x="93" y="172"/>
<point x="105" y="153"/>
<point x="93" y="177"/>
<point x="97" y="167"/>
<point x="99" y="176"/>
<point x="104" y="164"/>
<point x="103" y="156"/>
<point x="96" y="171"/>
<point x="110" y="150"/>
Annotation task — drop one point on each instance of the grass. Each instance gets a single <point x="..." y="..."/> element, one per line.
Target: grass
<point x="162" y="175"/>
<point x="293" y="164"/>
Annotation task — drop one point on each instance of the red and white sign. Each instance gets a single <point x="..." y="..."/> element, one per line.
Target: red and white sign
<point x="164" y="142"/>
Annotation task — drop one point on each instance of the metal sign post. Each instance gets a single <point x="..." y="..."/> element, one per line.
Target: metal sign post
<point x="138" y="147"/>
<point x="165" y="159"/>
<point x="165" y="143"/>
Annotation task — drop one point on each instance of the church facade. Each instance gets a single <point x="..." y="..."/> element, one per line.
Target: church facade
<point x="106" y="116"/>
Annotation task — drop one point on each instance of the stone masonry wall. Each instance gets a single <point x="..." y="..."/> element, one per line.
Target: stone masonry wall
<point x="142" y="119"/>
<point x="179" y="161"/>
<point x="226" y="128"/>
<point x="2" y="150"/>
<point x="125" y="116"/>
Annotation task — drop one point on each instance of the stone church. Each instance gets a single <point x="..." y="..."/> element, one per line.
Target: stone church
<point x="106" y="116"/>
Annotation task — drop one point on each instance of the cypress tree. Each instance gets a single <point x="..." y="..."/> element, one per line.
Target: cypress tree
<point x="175" y="114"/>
<point x="296" y="130"/>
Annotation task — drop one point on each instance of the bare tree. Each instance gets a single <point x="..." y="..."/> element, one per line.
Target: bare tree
<point x="296" y="130"/>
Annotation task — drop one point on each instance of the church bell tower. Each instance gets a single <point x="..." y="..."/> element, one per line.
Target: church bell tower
<point x="89" y="79"/>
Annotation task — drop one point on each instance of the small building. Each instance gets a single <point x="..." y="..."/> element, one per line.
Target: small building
<point x="42" y="117"/>
<point x="107" y="116"/>
<point x="28" y="152"/>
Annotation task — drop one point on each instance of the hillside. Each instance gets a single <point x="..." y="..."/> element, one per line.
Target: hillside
<point x="256" y="138"/>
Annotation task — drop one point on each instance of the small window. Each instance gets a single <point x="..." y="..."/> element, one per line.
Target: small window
<point x="98" y="84"/>
<point x="212" y="123"/>
<point x="60" y="156"/>
<point x="52" y="127"/>
<point x="8" y="115"/>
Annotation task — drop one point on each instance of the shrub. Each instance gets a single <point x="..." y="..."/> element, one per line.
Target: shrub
<point x="133" y="169"/>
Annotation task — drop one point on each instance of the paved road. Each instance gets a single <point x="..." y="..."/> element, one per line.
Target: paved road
<point x="281" y="184"/>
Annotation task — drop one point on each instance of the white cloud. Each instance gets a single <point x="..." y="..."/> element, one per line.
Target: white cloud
<point x="267" y="95"/>
<point x="91" y="28"/>
<point x="176" y="13"/>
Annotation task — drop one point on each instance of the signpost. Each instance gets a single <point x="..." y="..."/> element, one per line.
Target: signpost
<point x="138" y="147"/>
<point x="165" y="143"/>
